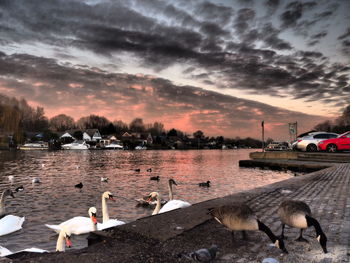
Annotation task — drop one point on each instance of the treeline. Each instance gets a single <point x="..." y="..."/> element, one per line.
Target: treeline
<point x="339" y="125"/>
<point x="21" y="121"/>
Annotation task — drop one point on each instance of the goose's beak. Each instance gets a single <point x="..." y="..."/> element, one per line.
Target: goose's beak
<point x="324" y="249"/>
<point x="68" y="242"/>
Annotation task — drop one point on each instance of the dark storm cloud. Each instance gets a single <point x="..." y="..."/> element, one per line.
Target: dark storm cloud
<point x="345" y="35"/>
<point x="216" y="39"/>
<point x="294" y="12"/>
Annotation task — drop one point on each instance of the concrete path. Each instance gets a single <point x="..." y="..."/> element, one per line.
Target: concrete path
<point x="161" y="238"/>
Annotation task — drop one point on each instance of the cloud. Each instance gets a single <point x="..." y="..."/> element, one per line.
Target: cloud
<point x="82" y="91"/>
<point x="294" y="12"/>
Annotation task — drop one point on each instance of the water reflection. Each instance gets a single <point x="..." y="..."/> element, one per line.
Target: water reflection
<point x="56" y="199"/>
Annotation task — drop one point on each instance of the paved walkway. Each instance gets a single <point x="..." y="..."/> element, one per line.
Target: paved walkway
<point x="160" y="238"/>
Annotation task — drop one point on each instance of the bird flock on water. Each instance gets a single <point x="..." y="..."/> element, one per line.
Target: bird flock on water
<point x="235" y="217"/>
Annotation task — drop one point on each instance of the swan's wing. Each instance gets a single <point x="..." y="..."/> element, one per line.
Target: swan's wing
<point x="10" y="223"/>
<point x="4" y="252"/>
<point x="34" y="250"/>
<point x="173" y="204"/>
<point x="77" y="225"/>
<point x="109" y="223"/>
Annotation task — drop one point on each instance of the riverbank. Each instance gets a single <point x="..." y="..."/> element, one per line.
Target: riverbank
<point x="161" y="238"/>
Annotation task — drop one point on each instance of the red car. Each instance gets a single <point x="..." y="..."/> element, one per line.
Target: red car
<point x="337" y="144"/>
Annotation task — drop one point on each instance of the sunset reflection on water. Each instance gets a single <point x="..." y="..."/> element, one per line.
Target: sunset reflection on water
<point x="56" y="199"/>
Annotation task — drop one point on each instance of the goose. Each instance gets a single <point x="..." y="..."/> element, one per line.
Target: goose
<point x="149" y="170"/>
<point x="8" y="223"/>
<point x="298" y="214"/>
<point x="104" y="179"/>
<point x="80" y="185"/>
<point x="36" y="180"/>
<point x="171" y="205"/>
<point x="78" y="225"/>
<point x="206" y="184"/>
<point x="63" y="239"/>
<point x="239" y="217"/>
<point x="145" y="202"/>
<point x="155" y="178"/>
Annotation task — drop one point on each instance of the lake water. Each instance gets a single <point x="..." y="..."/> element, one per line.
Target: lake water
<point x="56" y="199"/>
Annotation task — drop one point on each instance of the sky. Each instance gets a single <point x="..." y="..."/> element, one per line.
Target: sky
<point x="217" y="66"/>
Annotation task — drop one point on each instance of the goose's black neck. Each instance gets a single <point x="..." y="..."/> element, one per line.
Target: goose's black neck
<point x="313" y="222"/>
<point x="267" y="230"/>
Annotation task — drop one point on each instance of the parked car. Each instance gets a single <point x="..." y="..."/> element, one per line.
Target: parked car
<point x="309" y="142"/>
<point x="337" y="144"/>
<point x="277" y="146"/>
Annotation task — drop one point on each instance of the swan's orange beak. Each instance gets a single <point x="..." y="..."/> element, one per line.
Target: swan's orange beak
<point x="68" y="242"/>
<point x="94" y="219"/>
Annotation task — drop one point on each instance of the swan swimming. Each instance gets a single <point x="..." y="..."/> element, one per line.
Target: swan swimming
<point x="8" y="223"/>
<point x="171" y="205"/>
<point x="5" y="252"/>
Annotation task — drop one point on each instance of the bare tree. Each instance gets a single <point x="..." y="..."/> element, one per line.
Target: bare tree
<point x="61" y="122"/>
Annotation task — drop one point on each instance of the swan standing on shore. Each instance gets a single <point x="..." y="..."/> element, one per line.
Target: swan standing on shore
<point x="8" y="223"/>
<point x="78" y="225"/>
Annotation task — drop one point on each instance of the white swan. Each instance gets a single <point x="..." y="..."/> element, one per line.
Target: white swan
<point x="63" y="240"/>
<point x="5" y="252"/>
<point x="78" y="225"/>
<point x="171" y="205"/>
<point x="8" y="223"/>
<point x="106" y="222"/>
<point x="147" y="203"/>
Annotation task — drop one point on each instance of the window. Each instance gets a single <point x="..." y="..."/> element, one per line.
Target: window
<point x="331" y="136"/>
<point x="321" y="136"/>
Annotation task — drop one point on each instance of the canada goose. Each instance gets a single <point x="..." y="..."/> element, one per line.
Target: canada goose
<point x="155" y="178"/>
<point x="80" y="185"/>
<point x="240" y="217"/>
<point x="206" y="184"/>
<point x="298" y="214"/>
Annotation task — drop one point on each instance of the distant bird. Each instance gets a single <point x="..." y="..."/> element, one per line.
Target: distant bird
<point x="42" y="165"/>
<point x="137" y="170"/>
<point x="77" y="167"/>
<point x="11" y="178"/>
<point x="80" y="185"/>
<point x="149" y="170"/>
<point x="19" y="188"/>
<point x="240" y="217"/>
<point x="207" y="184"/>
<point x="204" y="255"/>
<point x="36" y="180"/>
<point x="155" y="178"/>
<point x="104" y="179"/>
<point x="298" y="214"/>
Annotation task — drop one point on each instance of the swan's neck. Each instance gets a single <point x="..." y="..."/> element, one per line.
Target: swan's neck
<point x="105" y="215"/>
<point x="156" y="210"/>
<point x="60" y="246"/>
<point x="170" y="191"/>
<point x="2" y="204"/>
